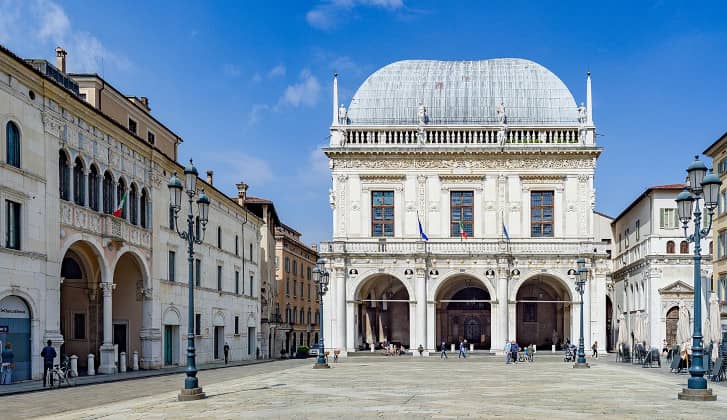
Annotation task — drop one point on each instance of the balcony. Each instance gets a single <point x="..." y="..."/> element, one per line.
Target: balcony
<point x="460" y="247"/>
<point x="104" y="225"/>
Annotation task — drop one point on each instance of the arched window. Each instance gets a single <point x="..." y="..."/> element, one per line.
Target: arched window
<point x="108" y="193"/>
<point x="144" y="205"/>
<point x="121" y="198"/>
<point x="93" y="180"/>
<point x="64" y="177"/>
<point x="79" y="182"/>
<point x="12" y="143"/>
<point x="133" y="203"/>
<point x="684" y="247"/>
<point x="670" y="247"/>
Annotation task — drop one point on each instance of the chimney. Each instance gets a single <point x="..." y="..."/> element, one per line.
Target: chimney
<point x="209" y="177"/>
<point x="145" y="101"/>
<point x="241" y="193"/>
<point x="61" y="59"/>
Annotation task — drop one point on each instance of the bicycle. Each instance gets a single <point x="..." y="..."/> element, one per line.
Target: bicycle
<point x="60" y="374"/>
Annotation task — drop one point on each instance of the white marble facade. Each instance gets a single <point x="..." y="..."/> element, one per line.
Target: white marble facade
<point x="504" y="131"/>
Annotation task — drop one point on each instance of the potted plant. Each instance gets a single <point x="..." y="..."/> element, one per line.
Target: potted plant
<point x="302" y="352"/>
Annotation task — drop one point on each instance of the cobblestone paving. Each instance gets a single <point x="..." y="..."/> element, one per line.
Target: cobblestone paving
<point x="378" y="387"/>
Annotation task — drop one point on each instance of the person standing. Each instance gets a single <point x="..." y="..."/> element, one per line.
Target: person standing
<point x="8" y="364"/>
<point x="226" y="350"/>
<point x="443" y="354"/>
<point x="48" y="354"/>
<point x="513" y="350"/>
<point x="461" y="351"/>
<point x="594" y="347"/>
<point x="507" y="352"/>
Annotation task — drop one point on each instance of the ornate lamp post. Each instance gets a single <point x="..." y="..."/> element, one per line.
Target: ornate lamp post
<point x="707" y="188"/>
<point x="191" y="390"/>
<point x="321" y="281"/>
<point x="581" y="277"/>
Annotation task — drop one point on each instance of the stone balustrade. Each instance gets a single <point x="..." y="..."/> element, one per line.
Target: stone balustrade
<point x="434" y="136"/>
<point x="457" y="247"/>
<point x="105" y="225"/>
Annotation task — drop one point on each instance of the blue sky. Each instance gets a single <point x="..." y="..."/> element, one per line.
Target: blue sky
<point x="248" y="84"/>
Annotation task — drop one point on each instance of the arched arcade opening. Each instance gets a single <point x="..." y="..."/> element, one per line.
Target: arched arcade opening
<point x="128" y="297"/>
<point x="463" y="312"/>
<point x="543" y="312"/>
<point x="382" y="313"/>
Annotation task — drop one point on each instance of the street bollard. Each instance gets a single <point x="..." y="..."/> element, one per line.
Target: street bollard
<point x="122" y="361"/>
<point x="552" y="348"/>
<point x="74" y="365"/>
<point x="472" y="347"/>
<point x="135" y="360"/>
<point x="91" y="365"/>
<point x="452" y="350"/>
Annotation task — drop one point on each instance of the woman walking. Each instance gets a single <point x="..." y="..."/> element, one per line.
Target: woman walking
<point x="594" y="347"/>
<point x="8" y="364"/>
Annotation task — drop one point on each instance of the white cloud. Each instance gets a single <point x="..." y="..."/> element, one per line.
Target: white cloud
<point x="305" y="92"/>
<point x="255" y="113"/>
<point x="276" y="71"/>
<point x="328" y="14"/>
<point x="40" y="25"/>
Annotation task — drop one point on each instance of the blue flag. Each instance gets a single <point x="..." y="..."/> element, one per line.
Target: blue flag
<point x="421" y="230"/>
<point x="504" y="230"/>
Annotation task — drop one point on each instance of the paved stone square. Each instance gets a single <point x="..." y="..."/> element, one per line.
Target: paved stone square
<point x="404" y="387"/>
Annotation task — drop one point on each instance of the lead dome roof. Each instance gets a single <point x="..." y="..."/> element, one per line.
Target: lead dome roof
<point x="463" y="92"/>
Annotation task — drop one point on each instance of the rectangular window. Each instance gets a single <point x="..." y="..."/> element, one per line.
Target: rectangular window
<point x="638" y="230"/>
<point x="251" y="339"/>
<point x="541" y="214"/>
<point x="301" y="290"/>
<point x="722" y="244"/>
<point x="172" y="263"/>
<point x="12" y="225"/>
<point x="171" y="218"/>
<point x="79" y="326"/>
<point x="668" y="218"/>
<point x="219" y="237"/>
<point x="197" y="324"/>
<point x="237" y="282"/>
<point x="626" y="239"/>
<point x="198" y="273"/>
<point x="461" y="212"/>
<point x="287" y="265"/>
<point x="219" y="277"/>
<point x="295" y="288"/>
<point x="237" y="245"/>
<point x="132" y="126"/>
<point x="382" y="213"/>
<point x="237" y="325"/>
<point x="252" y="293"/>
<point x="287" y="287"/>
<point x="309" y="271"/>
<point x="295" y="267"/>
<point x="619" y="242"/>
<point x="150" y="137"/>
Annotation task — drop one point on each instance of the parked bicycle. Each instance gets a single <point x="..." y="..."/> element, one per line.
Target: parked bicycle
<point x="61" y="374"/>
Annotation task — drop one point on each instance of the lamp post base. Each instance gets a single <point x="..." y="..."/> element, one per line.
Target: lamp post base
<point x="579" y="365"/>
<point x="321" y="366"/>
<point x="697" y="395"/>
<point x="191" y="394"/>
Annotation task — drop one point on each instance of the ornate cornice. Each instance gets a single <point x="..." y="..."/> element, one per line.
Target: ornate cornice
<point x="501" y="162"/>
<point x="381" y="178"/>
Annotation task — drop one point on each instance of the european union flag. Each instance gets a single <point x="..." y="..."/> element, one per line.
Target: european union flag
<point x="421" y="230"/>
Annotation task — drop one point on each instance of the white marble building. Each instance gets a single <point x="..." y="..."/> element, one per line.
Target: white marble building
<point x="498" y="144"/>
<point x="653" y="267"/>
<point x="70" y="271"/>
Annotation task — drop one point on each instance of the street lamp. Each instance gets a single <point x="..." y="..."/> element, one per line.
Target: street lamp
<point x="321" y="281"/>
<point x="706" y="187"/>
<point x="581" y="277"/>
<point x="191" y="390"/>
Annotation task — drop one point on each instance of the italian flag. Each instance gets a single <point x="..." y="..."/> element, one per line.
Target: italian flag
<point x="120" y="209"/>
<point x="461" y="230"/>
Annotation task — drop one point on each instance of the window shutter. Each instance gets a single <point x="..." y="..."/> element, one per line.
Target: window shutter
<point x="662" y="218"/>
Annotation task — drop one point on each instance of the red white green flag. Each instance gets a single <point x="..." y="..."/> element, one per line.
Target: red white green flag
<point x="120" y="209"/>
<point x="462" y="232"/>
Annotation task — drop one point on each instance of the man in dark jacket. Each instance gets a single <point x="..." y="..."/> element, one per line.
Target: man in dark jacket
<point x="48" y="354"/>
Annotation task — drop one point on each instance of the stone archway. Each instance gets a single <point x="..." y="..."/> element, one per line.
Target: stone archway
<point x="128" y="298"/>
<point x="81" y="302"/>
<point x="382" y="311"/>
<point x="463" y="312"/>
<point x="543" y="312"/>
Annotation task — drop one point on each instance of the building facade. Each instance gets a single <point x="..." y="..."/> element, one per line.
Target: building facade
<point x="718" y="152"/>
<point x="653" y="268"/>
<point x="493" y="162"/>
<point x="102" y="287"/>
<point x="298" y="301"/>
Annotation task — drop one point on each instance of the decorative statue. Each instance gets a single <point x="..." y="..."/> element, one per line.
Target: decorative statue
<point x="582" y="114"/>
<point x="501" y="137"/>
<point x="501" y="116"/>
<point x="342" y="115"/>
<point x="422" y="114"/>
<point x="332" y="197"/>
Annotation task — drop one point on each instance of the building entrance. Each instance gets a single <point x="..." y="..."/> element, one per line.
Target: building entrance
<point x="672" y="320"/>
<point x="543" y="312"/>
<point x="463" y="313"/>
<point x="15" y="329"/>
<point x="382" y="313"/>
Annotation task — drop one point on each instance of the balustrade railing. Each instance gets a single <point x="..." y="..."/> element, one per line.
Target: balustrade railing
<point x="461" y="136"/>
<point x="103" y="225"/>
<point x="456" y="247"/>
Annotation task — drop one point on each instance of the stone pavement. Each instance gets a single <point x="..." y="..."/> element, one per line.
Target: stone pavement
<point x="405" y="387"/>
<point x="37" y="385"/>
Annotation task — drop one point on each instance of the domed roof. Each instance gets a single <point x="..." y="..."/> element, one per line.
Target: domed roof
<point x="463" y="92"/>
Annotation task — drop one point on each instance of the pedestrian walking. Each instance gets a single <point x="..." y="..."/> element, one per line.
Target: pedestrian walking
<point x="443" y="354"/>
<point x="594" y="347"/>
<point x="48" y="354"/>
<point x="8" y="364"/>
<point x="507" y="352"/>
<point x="226" y="350"/>
<point x="421" y="350"/>
<point x="513" y="351"/>
<point x="461" y="354"/>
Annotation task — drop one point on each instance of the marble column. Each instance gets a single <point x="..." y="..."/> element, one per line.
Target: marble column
<point x="431" y="344"/>
<point x="421" y="313"/>
<point x="340" y="342"/>
<point x="108" y="362"/>
<point x="351" y="330"/>
<point x="412" y="325"/>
